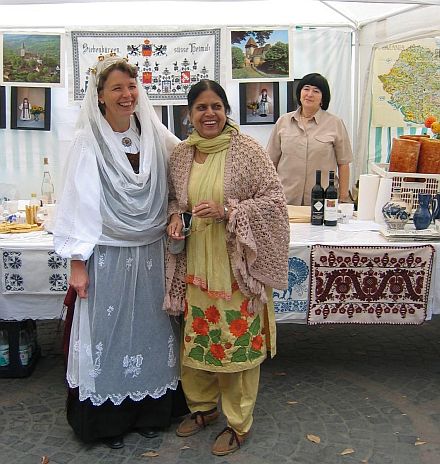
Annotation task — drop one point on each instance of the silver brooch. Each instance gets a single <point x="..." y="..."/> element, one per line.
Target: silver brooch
<point x="126" y="141"/>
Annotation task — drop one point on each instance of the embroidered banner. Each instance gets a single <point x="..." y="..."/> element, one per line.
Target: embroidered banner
<point x="370" y="284"/>
<point x="168" y="62"/>
<point x="33" y="271"/>
<point x="292" y="304"/>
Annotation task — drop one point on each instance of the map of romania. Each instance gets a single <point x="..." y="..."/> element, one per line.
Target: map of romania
<point x="413" y="84"/>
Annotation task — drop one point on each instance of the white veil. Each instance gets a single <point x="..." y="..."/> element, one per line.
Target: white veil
<point x="104" y="200"/>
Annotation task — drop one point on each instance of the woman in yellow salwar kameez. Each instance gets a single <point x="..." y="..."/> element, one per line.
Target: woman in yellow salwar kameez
<point x="235" y="254"/>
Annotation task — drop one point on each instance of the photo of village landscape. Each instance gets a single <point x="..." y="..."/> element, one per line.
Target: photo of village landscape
<point x="260" y="54"/>
<point x="32" y="59"/>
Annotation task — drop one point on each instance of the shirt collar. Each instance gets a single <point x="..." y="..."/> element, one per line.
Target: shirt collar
<point x="317" y="116"/>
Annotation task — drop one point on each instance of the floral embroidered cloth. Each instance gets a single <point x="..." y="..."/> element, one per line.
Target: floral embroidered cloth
<point x="292" y="304"/>
<point x="32" y="271"/>
<point x="369" y="284"/>
<point x="221" y="336"/>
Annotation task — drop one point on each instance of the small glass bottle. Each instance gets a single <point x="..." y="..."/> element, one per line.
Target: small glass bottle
<point x="4" y="348"/>
<point x="23" y="347"/>
<point x="47" y="188"/>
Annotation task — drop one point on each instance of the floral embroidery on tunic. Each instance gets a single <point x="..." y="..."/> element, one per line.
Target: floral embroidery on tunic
<point x="128" y="263"/>
<point x="133" y="365"/>
<point x="172" y="359"/>
<point x="97" y="364"/>
<point x="110" y="309"/>
<point x="101" y="260"/>
<point x="149" y="263"/>
<point x="223" y="337"/>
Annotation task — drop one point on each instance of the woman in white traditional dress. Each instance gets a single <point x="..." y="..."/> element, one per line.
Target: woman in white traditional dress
<point x="25" y="109"/>
<point x="123" y="367"/>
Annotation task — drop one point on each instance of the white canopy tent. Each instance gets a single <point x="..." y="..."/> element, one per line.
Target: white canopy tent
<point x="371" y="24"/>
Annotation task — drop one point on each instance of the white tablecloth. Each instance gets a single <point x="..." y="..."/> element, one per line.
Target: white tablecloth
<point x="302" y="236"/>
<point x="18" y="306"/>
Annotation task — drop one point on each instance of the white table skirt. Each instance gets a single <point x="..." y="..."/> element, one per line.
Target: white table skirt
<point x="302" y="236"/>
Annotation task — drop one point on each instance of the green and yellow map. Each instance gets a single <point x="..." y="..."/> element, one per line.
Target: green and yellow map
<point x="406" y="83"/>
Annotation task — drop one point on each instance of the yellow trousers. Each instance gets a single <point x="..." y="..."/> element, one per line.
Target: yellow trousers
<point x="237" y="391"/>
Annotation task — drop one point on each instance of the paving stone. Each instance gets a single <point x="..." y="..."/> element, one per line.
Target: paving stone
<point x="352" y="384"/>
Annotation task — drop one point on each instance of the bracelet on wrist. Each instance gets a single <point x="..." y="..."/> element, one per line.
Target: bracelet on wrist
<point x="224" y="218"/>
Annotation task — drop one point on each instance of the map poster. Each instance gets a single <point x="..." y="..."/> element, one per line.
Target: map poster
<point x="169" y="63"/>
<point x="406" y="84"/>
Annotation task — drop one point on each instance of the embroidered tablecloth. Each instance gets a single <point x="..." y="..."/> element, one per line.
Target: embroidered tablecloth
<point x="370" y="284"/>
<point x="29" y="271"/>
<point x="292" y="304"/>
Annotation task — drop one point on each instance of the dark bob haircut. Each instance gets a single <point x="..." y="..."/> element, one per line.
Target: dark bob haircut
<point x="316" y="80"/>
<point x="207" y="84"/>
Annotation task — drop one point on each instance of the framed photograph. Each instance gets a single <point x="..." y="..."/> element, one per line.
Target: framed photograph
<point x="259" y="103"/>
<point x="292" y="102"/>
<point x="30" y="108"/>
<point x="260" y="54"/>
<point x="32" y="59"/>
<point x="182" y="124"/>
<point x="2" y="108"/>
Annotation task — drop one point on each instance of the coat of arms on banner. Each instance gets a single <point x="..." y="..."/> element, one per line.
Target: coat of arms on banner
<point x="169" y="63"/>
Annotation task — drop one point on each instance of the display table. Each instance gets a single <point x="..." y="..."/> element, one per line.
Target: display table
<point x="292" y="305"/>
<point x="41" y="294"/>
<point x="33" y="277"/>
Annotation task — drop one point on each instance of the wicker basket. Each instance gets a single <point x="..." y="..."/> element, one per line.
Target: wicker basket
<point x="410" y="183"/>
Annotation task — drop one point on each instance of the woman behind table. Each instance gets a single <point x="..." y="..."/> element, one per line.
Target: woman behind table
<point x="308" y="139"/>
<point x="123" y="358"/>
<point x="236" y="252"/>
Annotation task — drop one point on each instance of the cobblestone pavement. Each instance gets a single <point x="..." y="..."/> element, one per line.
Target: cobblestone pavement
<point x="374" y="390"/>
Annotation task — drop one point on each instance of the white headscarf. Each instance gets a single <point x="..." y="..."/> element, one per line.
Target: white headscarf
<point x="104" y="201"/>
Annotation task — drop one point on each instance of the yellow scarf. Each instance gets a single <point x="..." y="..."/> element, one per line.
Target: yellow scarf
<point x="215" y="145"/>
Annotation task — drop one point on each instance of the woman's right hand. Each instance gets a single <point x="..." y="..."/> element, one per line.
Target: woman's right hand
<point x="79" y="278"/>
<point x="175" y="226"/>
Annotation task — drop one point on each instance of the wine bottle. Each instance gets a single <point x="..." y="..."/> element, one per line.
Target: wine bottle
<point x="47" y="189"/>
<point x="317" y="203"/>
<point x="331" y="202"/>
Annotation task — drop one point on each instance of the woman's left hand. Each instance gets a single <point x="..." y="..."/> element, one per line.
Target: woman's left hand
<point x="209" y="209"/>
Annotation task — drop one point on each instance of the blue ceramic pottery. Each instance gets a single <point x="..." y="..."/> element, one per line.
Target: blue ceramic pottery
<point x="436" y="207"/>
<point x="422" y="216"/>
<point x="396" y="211"/>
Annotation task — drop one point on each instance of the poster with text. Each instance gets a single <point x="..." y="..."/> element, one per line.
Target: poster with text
<point x="169" y="63"/>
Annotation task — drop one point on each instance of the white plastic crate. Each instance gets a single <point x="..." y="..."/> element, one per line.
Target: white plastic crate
<point x="410" y="183"/>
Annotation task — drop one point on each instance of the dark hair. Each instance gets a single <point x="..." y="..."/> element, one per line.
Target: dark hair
<point x="207" y="84"/>
<point x="316" y="80"/>
<point x="122" y="66"/>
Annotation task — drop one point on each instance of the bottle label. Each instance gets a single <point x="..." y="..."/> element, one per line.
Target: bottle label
<point x="318" y="206"/>
<point x="24" y="356"/>
<point x="331" y="210"/>
<point x="4" y="355"/>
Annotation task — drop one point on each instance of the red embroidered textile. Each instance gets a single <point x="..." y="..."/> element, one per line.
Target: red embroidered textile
<point x="369" y="284"/>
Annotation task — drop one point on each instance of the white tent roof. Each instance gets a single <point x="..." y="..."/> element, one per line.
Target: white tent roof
<point x="58" y="13"/>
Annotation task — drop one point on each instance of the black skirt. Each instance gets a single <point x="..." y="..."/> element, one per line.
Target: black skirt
<point x="91" y="423"/>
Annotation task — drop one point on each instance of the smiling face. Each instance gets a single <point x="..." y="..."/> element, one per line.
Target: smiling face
<point x="119" y="96"/>
<point x="208" y="114"/>
<point x="311" y="98"/>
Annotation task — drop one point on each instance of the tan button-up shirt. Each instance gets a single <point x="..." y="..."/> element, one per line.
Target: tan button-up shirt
<point x="297" y="152"/>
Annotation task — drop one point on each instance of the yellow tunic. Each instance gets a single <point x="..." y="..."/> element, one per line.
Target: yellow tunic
<point x="219" y="333"/>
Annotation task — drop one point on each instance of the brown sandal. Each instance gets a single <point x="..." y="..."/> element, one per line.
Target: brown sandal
<point x="228" y="441"/>
<point x="196" y="422"/>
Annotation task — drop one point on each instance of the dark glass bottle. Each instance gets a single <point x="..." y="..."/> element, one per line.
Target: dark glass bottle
<point x="331" y="202"/>
<point x="317" y="202"/>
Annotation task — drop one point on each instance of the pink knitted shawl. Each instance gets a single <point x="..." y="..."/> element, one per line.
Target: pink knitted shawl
<point x="257" y="232"/>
